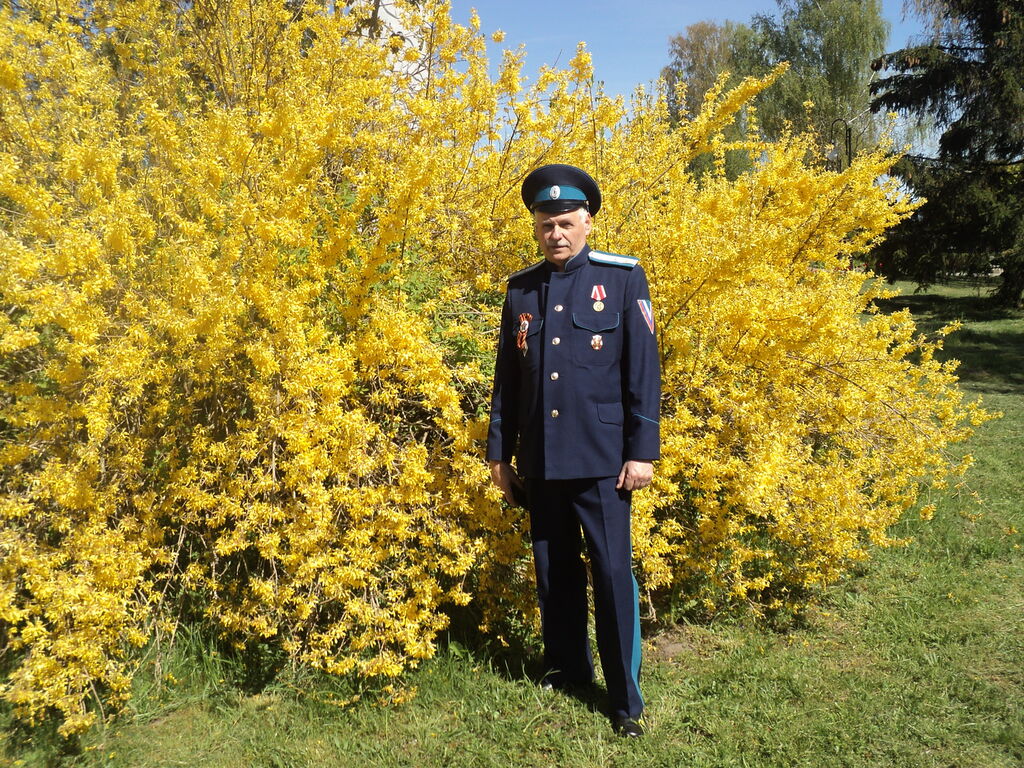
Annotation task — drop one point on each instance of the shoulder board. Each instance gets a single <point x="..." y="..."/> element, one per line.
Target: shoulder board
<point x="523" y="271"/>
<point x="615" y="259"/>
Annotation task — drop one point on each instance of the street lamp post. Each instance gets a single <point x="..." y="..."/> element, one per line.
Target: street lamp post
<point x="848" y="141"/>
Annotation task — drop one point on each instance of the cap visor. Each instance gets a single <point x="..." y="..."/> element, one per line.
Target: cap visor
<point x="559" y="206"/>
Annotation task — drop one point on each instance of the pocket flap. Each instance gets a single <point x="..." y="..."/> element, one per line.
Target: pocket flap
<point x="609" y="413"/>
<point x="596" y="321"/>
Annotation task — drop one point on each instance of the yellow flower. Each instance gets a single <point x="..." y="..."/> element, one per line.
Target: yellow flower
<point x="251" y="327"/>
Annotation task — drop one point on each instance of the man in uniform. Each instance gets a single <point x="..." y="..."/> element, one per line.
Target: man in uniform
<point x="576" y="395"/>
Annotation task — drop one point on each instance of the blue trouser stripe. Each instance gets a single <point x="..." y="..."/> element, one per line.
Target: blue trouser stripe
<point x="558" y="510"/>
<point x="635" y="665"/>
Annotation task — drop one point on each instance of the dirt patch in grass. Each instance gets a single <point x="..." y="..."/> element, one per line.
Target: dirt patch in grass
<point x="674" y="643"/>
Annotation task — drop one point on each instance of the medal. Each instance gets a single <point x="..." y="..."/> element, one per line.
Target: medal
<point x="596" y="341"/>
<point x="598" y="293"/>
<point x="598" y="306"/>
<point x="524" y="327"/>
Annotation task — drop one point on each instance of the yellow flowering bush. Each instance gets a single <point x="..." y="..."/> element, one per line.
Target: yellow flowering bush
<point x="251" y="262"/>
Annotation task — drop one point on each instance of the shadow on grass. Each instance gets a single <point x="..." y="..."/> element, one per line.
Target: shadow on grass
<point x="990" y="361"/>
<point x="991" y="353"/>
<point x="516" y="658"/>
<point x="944" y="307"/>
<point x="513" y="661"/>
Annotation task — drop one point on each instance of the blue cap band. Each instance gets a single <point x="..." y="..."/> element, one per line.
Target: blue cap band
<point x="557" y="192"/>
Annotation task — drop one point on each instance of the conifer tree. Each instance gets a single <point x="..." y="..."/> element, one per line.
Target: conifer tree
<point x="968" y="78"/>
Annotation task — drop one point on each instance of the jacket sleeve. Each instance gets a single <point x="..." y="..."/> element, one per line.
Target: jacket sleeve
<point x="504" y="427"/>
<point x="642" y="372"/>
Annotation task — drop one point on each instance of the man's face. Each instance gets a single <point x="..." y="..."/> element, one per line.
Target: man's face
<point x="561" y="235"/>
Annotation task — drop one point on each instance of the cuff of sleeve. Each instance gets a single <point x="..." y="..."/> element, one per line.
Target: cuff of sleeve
<point x="644" y="440"/>
<point x="498" y="448"/>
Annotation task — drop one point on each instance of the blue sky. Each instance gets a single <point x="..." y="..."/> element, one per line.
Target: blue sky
<point x="628" y="40"/>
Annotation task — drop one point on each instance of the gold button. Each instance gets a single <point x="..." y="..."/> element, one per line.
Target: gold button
<point x="554" y="414"/>
<point x="554" y="376"/>
<point x="556" y="341"/>
<point x="558" y="307"/>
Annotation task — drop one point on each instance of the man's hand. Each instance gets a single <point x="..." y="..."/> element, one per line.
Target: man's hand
<point x="503" y="476"/>
<point x="634" y="475"/>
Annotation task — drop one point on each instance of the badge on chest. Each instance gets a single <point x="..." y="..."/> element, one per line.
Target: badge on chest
<point x="524" y="328"/>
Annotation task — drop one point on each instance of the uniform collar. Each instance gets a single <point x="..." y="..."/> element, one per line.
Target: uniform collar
<point x="575" y="262"/>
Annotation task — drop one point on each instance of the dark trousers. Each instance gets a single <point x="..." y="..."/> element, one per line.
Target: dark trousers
<point x="558" y="509"/>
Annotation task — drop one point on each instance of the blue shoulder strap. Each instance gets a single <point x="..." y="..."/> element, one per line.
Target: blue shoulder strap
<point x="614" y="259"/>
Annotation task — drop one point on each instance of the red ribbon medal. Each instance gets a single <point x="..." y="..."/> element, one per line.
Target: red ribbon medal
<point x="524" y="327"/>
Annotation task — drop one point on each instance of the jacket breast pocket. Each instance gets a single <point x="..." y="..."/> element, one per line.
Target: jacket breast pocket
<point x="597" y="338"/>
<point x="528" y="352"/>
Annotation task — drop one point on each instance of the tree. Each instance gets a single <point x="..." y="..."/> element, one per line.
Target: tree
<point x="969" y="78"/>
<point x="829" y="45"/>
<point x="698" y="57"/>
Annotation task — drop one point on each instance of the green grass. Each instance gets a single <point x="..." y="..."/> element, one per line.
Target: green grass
<point x="916" y="660"/>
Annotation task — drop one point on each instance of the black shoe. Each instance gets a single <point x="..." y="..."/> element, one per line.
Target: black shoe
<point x="628" y="727"/>
<point x="556" y="683"/>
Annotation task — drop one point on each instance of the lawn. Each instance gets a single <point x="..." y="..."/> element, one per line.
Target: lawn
<point x="915" y="660"/>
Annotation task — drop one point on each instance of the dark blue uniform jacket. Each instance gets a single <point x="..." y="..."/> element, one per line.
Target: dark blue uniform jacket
<point x="583" y="397"/>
